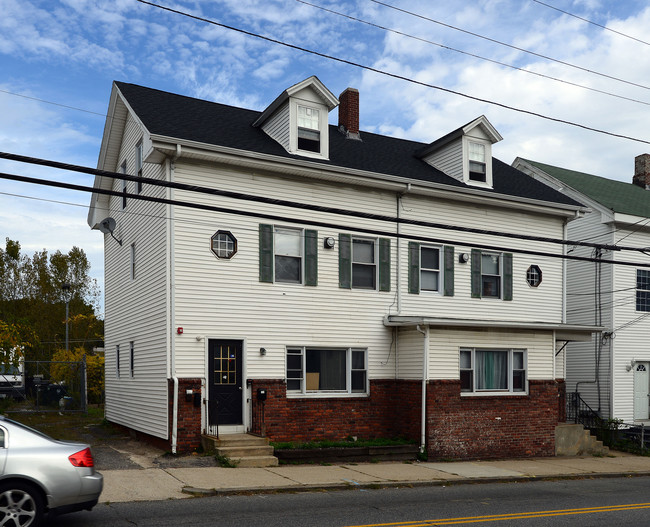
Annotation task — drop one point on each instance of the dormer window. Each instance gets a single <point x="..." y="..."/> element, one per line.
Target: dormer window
<point x="308" y="129"/>
<point x="477" y="166"/>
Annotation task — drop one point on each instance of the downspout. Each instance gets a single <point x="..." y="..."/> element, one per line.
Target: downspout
<point x="171" y="360"/>
<point x="425" y="379"/>
<point x="399" y="251"/>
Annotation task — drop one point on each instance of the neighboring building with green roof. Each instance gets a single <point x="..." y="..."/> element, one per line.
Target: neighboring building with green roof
<point x="612" y="373"/>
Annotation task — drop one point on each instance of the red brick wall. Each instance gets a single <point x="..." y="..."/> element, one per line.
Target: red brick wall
<point x="391" y="410"/>
<point x="188" y="436"/>
<point x="492" y="427"/>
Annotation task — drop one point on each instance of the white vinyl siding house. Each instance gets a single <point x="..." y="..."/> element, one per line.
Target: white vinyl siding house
<point x="298" y="278"/>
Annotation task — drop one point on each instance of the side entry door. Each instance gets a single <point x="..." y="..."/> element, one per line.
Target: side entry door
<point x="641" y="391"/>
<point x="225" y="384"/>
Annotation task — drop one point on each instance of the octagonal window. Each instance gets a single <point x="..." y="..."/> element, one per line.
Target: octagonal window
<point x="223" y="244"/>
<point x="534" y="276"/>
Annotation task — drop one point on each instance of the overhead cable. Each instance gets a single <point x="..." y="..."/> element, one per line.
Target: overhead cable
<point x="426" y="41"/>
<point x="393" y="75"/>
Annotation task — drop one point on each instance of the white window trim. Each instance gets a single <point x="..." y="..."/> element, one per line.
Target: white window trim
<point x="500" y="275"/>
<point x="497" y="393"/>
<point x="488" y="162"/>
<point x="301" y="235"/>
<point x="323" y="128"/>
<point x="376" y="262"/>
<point x="328" y="394"/>
<point x="441" y="286"/>
<point x="638" y="290"/>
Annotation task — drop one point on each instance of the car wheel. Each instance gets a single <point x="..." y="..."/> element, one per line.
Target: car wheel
<point x="21" y="505"/>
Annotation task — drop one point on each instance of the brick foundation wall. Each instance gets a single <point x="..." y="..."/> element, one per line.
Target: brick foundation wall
<point x="486" y="427"/>
<point x="391" y="410"/>
<point x="188" y="437"/>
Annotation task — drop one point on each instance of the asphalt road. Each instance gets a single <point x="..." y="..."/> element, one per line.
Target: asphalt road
<point x="609" y="501"/>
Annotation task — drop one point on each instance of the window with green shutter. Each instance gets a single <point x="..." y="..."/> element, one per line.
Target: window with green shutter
<point x="431" y="268"/>
<point x="364" y="263"/>
<point x="491" y="275"/>
<point x="288" y="255"/>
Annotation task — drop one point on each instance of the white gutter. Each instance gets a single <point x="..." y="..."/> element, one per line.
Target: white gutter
<point x="425" y="380"/>
<point x="398" y="249"/>
<point x="306" y="168"/>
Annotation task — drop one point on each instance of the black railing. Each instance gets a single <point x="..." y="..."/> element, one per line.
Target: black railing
<point x="578" y="411"/>
<point x="258" y="426"/>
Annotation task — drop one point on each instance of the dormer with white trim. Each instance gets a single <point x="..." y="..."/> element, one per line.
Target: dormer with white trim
<point x="466" y="153"/>
<point x="297" y="119"/>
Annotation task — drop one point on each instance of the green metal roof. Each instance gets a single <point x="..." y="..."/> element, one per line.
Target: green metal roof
<point x="617" y="196"/>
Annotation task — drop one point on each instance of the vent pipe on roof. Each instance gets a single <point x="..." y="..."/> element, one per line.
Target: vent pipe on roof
<point x="349" y="113"/>
<point x="642" y="171"/>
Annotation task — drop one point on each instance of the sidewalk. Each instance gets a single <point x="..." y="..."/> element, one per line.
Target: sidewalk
<point x="151" y="483"/>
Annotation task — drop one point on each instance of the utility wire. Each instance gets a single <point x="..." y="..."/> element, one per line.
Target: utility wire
<point x="393" y="75"/>
<point x="303" y="206"/>
<point x="426" y="41"/>
<point x="52" y="103"/>
<point x="594" y="23"/>
<point x="545" y="57"/>
<point x="300" y="221"/>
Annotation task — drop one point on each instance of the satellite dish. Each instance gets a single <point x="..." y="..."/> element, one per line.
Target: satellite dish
<point x="107" y="226"/>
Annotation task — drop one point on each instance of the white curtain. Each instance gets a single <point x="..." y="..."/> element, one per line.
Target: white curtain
<point x="491" y="370"/>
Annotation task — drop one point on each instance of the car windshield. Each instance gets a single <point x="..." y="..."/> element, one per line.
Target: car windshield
<point x="9" y="369"/>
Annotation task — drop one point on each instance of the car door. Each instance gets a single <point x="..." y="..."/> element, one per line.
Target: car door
<point x="4" y="441"/>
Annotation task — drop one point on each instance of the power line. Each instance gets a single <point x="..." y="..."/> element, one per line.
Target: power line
<point x="52" y="103"/>
<point x="294" y="220"/>
<point x="394" y="75"/>
<point x="509" y="45"/>
<point x="426" y="41"/>
<point x="303" y="206"/>
<point x="593" y="23"/>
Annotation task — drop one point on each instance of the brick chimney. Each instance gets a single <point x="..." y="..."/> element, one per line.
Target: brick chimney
<point x="349" y="113"/>
<point x="642" y="171"/>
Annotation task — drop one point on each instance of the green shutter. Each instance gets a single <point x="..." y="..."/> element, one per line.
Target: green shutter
<point x="345" y="261"/>
<point x="507" y="276"/>
<point x="266" y="253"/>
<point x="414" y="268"/>
<point x="476" y="273"/>
<point x="311" y="257"/>
<point x="384" y="264"/>
<point x="449" y="270"/>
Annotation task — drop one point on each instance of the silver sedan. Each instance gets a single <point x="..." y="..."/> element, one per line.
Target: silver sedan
<point x="40" y="475"/>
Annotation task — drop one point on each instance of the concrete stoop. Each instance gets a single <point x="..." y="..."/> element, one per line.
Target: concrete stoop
<point x="242" y="450"/>
<point x="575" y="440"/>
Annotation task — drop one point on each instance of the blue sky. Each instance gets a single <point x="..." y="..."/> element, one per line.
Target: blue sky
<point x="68" y="53"/>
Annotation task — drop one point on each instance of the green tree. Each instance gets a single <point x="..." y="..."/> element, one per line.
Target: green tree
<point x="31" y="295"/>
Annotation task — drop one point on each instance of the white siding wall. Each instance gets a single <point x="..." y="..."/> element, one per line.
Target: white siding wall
<point x="631" y="327"/>
<point x="278" y="126"/>
<point x="581" y="357"/>
<point x="224" y="298"/>
<point x="449" y="159"/>
<point x="136" y="310"/>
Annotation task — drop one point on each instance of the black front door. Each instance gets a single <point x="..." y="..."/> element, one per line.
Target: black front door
<point x="225" y="385"/>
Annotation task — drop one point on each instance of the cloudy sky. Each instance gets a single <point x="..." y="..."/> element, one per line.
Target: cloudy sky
<point x="58" y="59"/>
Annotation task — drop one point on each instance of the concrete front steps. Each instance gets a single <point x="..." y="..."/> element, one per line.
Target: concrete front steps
<point x="242" y="450"/>
<point x="575" y="440"/>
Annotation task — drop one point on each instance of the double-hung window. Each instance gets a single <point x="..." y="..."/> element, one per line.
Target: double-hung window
<point x="429" y="268"/>
<point x="133" y="261"/>
<point x="117" y="360"/>
<point x="138" y="166"/>
<point x="491" y="275"/>
<point x="308" y="129"/>
<point x="477" y="163"/>
<point x="288" y="255"/>
<point x="364" y="263"/>
<point x="492" y="370"/>
<point x="327" y="370"/>
<point x="642" y="290"/>
<point x="124" y="187"/>
<point x="132" y="358"/>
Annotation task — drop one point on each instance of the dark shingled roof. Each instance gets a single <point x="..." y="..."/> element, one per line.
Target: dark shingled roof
<point x="617" y="196"/>
<point x="186" y="118"/>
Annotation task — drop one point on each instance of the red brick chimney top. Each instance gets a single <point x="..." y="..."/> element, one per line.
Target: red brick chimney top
<point x="349" y="111"/>
<point x="642" y="171"/>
